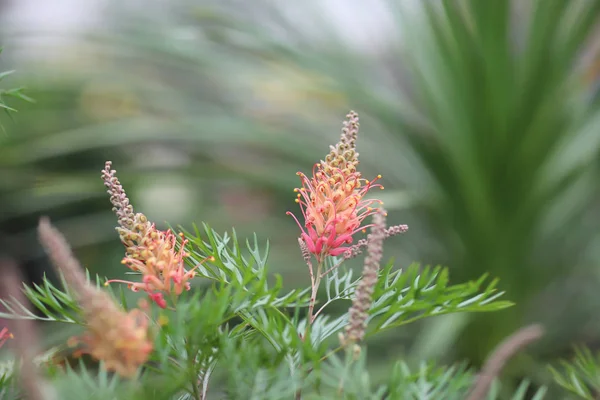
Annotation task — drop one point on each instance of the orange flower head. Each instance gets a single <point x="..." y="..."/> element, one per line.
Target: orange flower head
<point x="117" y="338"/>
<point x="149" y="251"/>
<point x="162" y="266"/>
<point x="332" y="200"/>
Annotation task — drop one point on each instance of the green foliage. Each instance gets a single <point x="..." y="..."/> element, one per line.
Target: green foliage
<point x="97" y="383"/>
<point x="53" y="303"/>
<point x="479" y="109"/>
<point x="17" y="93"/>
<point x="244" y="338"/>
<point x="488" y="121"/>
<point x="406" y="296"/>
<point x="253" y="372"/>
<point x="503" y="108"/>
<point x="580" y="376"/>
<point x="231" y="266"/>
<point x="484" y="113"/>
<point x="428" y="382"/>
<point x="8" y="388"/>
<point x="521" y="393"/>
<point x="348" y="378"/>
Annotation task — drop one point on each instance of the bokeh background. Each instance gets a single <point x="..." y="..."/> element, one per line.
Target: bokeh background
<point x="482" y="116"/>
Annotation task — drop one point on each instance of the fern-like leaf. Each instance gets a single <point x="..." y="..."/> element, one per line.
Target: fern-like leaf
<point x="406" y="296"/>
<point x="580" y="376"/>
<point x="54" y="304"/>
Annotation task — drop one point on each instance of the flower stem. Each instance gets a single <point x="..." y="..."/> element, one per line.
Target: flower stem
<point x="313" y="297"/>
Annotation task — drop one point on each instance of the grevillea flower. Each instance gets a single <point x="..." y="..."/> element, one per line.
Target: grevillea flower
<point x="155" y="256"/>
<point x="4" y="336"/>
<point x="149" y="251"/>
<point x="332" y="200"/>
<point x="118" y="338"/>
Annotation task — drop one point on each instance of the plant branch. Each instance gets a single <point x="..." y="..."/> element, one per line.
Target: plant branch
<point x="331" y="269"/>
<point x="313" y="297"/>
<point x="500" y="357"/>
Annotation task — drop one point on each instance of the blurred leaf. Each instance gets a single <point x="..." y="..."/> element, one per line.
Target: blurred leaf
<point x="580" y="376"/>
<point x="54" y="304"/>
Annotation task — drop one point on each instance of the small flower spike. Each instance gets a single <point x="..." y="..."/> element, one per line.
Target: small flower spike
<point x="358" y="248"/>
<point x="114" y="336"/>
<point x="151" y="252"/>
<point x="332" y="200"/>
<point x="363" y="296"/>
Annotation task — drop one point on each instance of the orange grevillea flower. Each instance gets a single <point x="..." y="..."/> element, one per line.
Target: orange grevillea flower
<point x="153" y="253"/>
<point x="332" y="200"/>
<point x="4" y="336"/>
<point x="120" y="339"/>
<point x="149" y="251"/>
<point x="117" y="338"/>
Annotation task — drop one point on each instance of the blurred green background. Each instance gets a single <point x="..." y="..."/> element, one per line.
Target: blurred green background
<point x="482" y="116"/>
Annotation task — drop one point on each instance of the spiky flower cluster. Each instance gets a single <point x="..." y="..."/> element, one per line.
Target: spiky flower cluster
<point x="118" y="338"/>
<point x="332" y="200"/>
<point x="357" y="249"/>
<point x="149" y="251"/>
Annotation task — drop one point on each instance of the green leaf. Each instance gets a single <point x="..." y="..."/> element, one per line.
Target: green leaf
<point x="251" y="372"/>
<point x="46" y="300"/>
<point x="524" y="387"/>
<point x="339" y="285"/>
<point x="580" y="376"/>
<point x="247" y="272"/>
<point x="4" y="106"/>
<point x="401" y="297"/>
<point x="5" y="74"/>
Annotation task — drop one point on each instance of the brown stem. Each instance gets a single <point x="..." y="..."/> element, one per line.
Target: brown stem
<point x="500" y="357"/>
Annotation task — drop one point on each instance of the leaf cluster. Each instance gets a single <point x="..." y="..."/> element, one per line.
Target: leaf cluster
<point x="241" y="334"/>
<point x="15" y="93"/>
<point x="580" y="376"/>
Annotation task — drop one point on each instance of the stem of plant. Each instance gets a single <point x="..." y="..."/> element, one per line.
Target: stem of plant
<point x="331" y="269"/>
<point x="313" y="296"/>
<point x="315" y="281"/>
